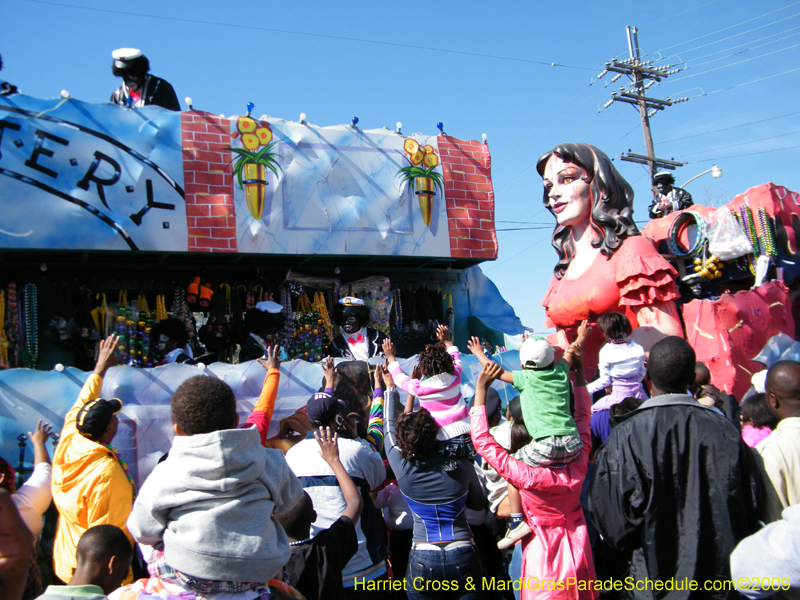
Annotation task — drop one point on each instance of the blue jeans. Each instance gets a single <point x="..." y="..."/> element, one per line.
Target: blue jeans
<point x="515" y="568"/>
<point x="458" y="447"/>
<point x="444" y="574"/>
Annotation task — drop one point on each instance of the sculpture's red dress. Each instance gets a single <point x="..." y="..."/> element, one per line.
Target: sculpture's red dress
<point x="635" y="276"/>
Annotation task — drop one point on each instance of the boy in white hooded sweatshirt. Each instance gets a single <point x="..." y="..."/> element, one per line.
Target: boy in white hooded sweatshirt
<point x="210" y="503"/>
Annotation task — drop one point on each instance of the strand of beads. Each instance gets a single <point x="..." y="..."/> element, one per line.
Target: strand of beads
<point x="767" y="234"/>
<point x="125" y="333"/>
<point x="14" y="325"/>
<point x="30" y="351"/>
<point x="125" y="468"/>
<point x="323" y="325"/>
<point x="3" y="336"/>
<point x="743" y="262"/>
<point x="398" y="311"/>
<point x="750" y="231"/>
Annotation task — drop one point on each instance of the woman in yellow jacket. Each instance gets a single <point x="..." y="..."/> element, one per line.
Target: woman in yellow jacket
<point x="90" y="486"/>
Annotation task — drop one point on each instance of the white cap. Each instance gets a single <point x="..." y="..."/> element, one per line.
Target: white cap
<point x="351" y="301"/>
<point x="269" y="306"/>
<point x="536" y="353"/>
<point x="759" y="381"/>
<point x="126" y="53"/>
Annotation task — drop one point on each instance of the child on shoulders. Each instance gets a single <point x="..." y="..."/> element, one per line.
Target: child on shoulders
<point x="621" y="363"/>
<point x="208" y="507"/>
<point x="544" y="399"/>
<point x="439" y="391"/>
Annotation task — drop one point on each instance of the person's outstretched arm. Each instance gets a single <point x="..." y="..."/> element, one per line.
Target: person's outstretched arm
<point x="262" y="413"/>
<point x="375" y="425"/>
<point x="33" y="498"/>
<point x="517" y="473"/>
<point x="584" y="329"/>
<point x="329" y="450"/>
<point x="474" y="346"/>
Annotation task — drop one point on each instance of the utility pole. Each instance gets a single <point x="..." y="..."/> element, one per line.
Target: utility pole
<point x="643" y="75"/>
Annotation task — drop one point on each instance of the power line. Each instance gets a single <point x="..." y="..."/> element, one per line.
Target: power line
<point x="679" y="14"/>
<point x="727" y="28"/>
<point x="491" y="266"/>
<point x="736" y="63"/>
<point x="738" y="34"/>
<point x="747" y="83"/>
<point x="507" y="158"/>
<point x="740" y="144"/>
<point x="308" y="34"/>
<point x="746" y="44"/>
<point x="522" y="138"/>
<point x="721" y="158"/>
<point x="727" y="128"/>
<point x="613" y="114"/>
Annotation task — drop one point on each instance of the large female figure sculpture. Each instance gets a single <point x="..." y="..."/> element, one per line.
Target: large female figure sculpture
<point x="604" y="264"/>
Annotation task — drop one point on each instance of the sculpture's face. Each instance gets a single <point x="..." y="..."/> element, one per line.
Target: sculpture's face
<point x="570" y="196"/>
<point x="352" y="320"/>
<point x="663" y="186"/>
<point x="134" y="82"/>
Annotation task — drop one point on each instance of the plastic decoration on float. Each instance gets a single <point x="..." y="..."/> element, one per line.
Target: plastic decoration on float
<point x="376" y="292"/>
<point x="727" y="246"/>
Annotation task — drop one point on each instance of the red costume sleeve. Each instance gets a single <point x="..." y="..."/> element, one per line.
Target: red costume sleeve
<point x="644" y="276"/>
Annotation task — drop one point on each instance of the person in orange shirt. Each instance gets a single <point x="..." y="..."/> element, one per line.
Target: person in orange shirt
<point x="90" y="486"/>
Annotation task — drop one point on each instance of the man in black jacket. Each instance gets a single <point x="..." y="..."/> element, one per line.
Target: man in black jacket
<point x="138" y="87"/>
<point x="674" y="486"/>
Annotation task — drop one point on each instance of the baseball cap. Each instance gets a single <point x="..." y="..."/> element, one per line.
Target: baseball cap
<point x="323" y="407"/>
<point x="95" y="415"/>
<point x="536" y="353"/>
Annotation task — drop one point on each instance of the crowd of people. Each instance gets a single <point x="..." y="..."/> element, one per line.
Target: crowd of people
<point x="652" y="493"/>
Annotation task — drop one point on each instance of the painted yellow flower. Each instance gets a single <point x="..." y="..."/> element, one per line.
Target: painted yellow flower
<point x="250" y="141"/>
<point x="417" y="157"/>
<point x="431" y="160"/>
<point x="245" y="125"/>
<point x="264" y="135"/>
<point x="411" y="147"/>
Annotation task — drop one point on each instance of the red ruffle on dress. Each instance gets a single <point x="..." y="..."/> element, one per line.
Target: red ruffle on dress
<point x="635" y="275"/>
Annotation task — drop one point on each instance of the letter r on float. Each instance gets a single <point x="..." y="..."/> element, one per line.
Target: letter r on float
<point x="90" y="175"/>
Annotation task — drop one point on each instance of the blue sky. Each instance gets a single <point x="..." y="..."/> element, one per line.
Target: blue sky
<point x="476" y="67"/>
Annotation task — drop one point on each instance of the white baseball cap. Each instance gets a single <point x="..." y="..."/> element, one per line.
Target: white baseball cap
<point x="536" y="353"/>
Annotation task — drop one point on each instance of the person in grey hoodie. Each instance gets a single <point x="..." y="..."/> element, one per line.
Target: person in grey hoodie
<point x="207" y="509"/>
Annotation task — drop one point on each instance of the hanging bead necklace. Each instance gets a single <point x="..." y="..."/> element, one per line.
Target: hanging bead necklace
<point x="124" y="466"/>
<point x="750" y="230"/>
<point x="3" y="337"/>
<point x="13" y="328"/>
<point x="767" y="234"/>
<point x="31" y="347"/>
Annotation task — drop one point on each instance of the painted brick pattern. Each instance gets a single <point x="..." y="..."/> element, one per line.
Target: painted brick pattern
<point x="208" y="183"/>
<point x="467" y="168"/>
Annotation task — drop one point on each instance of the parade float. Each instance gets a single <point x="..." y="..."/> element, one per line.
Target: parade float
<point x="115" y="219"/>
